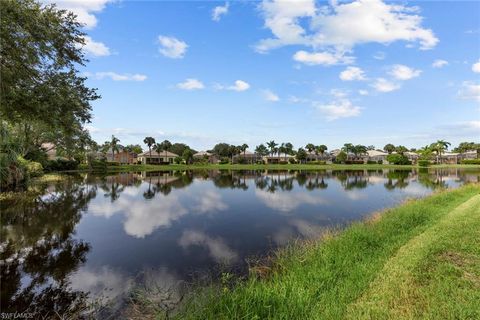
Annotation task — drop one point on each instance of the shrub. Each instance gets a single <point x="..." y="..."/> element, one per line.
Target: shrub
<point x="241" y="160"/>
<point x="260" y="162"/>
<point x="317" y="162"/>
<point x="112" y="164"/>
<point x="32" y="168"/>
<point x="372" y="162"/>
<point x="283" y="162"/>
<point x="341" y="157"/>
<point x="470" y="161"/>
<point x="61" y="165"/>
<point x="292" y="161"/>
<point x="354" y="162"/>
<point x="224" y="160"/>
<point x="423" y="163"/>
<point x="398" y="159"/>
<point x="98" y="165"/>
<point x="178" y="160"/>
<point x="380" y="161"/>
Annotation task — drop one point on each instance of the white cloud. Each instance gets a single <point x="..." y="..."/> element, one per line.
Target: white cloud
<point x="119" y="77"/>
<point x="239" y="85"/>
<point x="383" y="85"/>
<point x="321" y="58"/>
<point x="402" y="72"/>
<point x="352" y="73"/>
<point x="380" y="55"/>
<point x="218" y="11"/>
<point x="84" y="9"/>
<point x="476" y="67"/>
<point x="339" y="27"/>
<point x="470" y="91"/>
<point x="190" y="84"/>
<point x="94" y="48"/>
<point x="287" y="201"/>
<point x="172" y="47"/>
<point x="338" y="109"/>
<point x="363" y="92"/>
<point x="439" y="63"/>
<point x="216" y="247"/>
<point x="270" y="96"/>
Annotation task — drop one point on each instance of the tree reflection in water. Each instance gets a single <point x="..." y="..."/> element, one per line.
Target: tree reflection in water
<point x="38" y="251"/>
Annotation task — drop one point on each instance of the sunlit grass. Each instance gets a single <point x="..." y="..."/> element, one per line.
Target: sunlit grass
<point x="419" y="260"/>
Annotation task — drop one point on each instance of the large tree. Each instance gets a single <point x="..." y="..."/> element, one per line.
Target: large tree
<point x="149" y="141"/>
<point x="43" y="95"/>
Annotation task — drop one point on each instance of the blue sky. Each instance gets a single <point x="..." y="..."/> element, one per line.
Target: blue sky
<point x="368" y="72"/>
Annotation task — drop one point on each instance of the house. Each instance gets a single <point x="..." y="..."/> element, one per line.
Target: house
<point x="125" y="157"/>
<point x="207" y="156"/>
<point x="469" y="155"/>
<point x="450" y="157"/>
<point x="376" y="155"/>
<point x="50" y="150"/>
<point x="164" y="157"/>
<point x="412" y="156"/>
<point x="277" y="158"/>
<point x="246" y="157"/>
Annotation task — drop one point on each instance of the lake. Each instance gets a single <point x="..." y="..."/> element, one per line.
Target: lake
<point x="96" y="239"/>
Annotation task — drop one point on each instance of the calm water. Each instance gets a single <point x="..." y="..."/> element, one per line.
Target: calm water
<point x="93" y="238"/>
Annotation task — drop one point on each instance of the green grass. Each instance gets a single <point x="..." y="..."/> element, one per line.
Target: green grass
<point x="127" y="168"/>
<point x="420" y="260"/>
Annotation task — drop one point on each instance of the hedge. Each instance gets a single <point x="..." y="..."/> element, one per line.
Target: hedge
<point x="470" y="161"/>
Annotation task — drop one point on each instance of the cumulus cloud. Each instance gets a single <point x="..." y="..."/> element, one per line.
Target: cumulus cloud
<point x="384" y="85"/>
<point x="239" y="85"/>
<point x="352" y="73"/>
<point x="119" y="77"/>
<point x="363" y="92"/>
<point x="270" y="96"/>
<point x="84" y="9"/>
<point x="476" y="67"/>
<point x="321" y="58"/>
<point x="402" y="72"/>
<point x="342" y="108"/>
<point x="470" y="91"/>
<point x="219" y="11"/>
<point x="339" y="27"/>
<point x="287" y="201"/>
<point x="216" y="247"/>
<point x="439" y="63"/>
<point x="172" y="47"/>
<point x="95" y="48"/>
<point x="190" y="84"/>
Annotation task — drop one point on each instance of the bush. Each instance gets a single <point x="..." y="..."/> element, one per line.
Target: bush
<point x="241" y="160"/>
<point x="317" y="162"/>
<point x="32" y="168"/>
<point x="470" y="161"/>
<point x="98" y="165"/>
<point x="282" y="162"/>
<point x="178" y="160"/>
<point x="224" y="160"/>
<point x="354" y="162"/>
<point x="341" y="157"/>
<point x="61" y="165"/>
<point x="112" y="164"/>
<point x="260" y="162"/>
<point x="398" y="159"/>
<point x="380" y="161"/>
<point x="372" y="162"/>
<point x="423" y="163"/>
<point x="292" y="161"/>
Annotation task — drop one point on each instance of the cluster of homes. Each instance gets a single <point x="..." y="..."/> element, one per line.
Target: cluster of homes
<point x="166" y="157"/>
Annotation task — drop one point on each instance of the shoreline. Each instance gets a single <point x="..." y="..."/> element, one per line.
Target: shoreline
<point x="175" y="167"/>
<point x="365" y="270"/>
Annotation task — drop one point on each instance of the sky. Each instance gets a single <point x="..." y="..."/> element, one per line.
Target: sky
<point x="367" y="72"/>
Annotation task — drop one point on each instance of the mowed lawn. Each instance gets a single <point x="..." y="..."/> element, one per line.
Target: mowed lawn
<point x="420" y="260"/>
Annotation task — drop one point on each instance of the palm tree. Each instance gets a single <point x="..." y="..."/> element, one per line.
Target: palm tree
<point x="149" y="141"/>
<point x="244" y="148"/>
<point x="272" y="144"/>
<point x="321" y="149"/>
<point x="440" y="147"/>
<point x="288" y="149"/>
<point x="310" y="147"/>
<point x="389" y="148"/>
<point x="114" y="145"/>
<point x="166" y="145"/>
<point x="359" y="149"/>
<point x="158" y="147"/>
<point x="348" y="148"/>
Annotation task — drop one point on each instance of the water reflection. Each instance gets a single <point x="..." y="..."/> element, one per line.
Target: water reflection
<point x="93" y="238"/>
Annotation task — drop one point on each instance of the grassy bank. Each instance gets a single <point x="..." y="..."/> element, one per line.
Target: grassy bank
<point x="129" y="168"/>
<point x="419" y="260"/>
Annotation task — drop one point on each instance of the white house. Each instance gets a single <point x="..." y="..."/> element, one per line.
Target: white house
<point x="164" y="157"/>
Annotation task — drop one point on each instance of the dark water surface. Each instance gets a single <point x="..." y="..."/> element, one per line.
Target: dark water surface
<point x="97" y="238"/>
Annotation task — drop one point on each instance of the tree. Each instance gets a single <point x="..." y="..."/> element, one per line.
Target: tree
<point x="272" y="145"/>
<point x="43" y="94"/>
<point x="261" y="150"/>
<point x="135" y="148"/>
<point x="439" y="147"/>
<point x="179" y="148"/>
<point x="359" y="150"/>
<point x="301" y="155"/>
<point x="222" y="149"/>
<point x="310" y="147"/>
<point x="289" y="148"/>
<point x="389" y="148"/>
<point x="166" y="145"/>
<point x="187" y="155"/>
<point x="321" y="149"/>
<point x="244" y="148"/>
<point x="371" y="147"/>
<point x="341" y="157"/>
<point x="114" y="145"/>
<point x="149" y="141"/>
<point x="401" y="149"/>
<point x="348" y="148"/>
